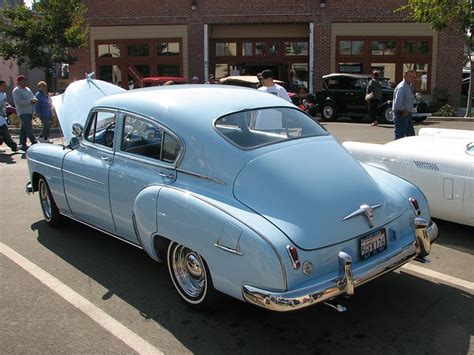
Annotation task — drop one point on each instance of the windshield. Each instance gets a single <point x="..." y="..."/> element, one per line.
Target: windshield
<point x="254" y="128"/>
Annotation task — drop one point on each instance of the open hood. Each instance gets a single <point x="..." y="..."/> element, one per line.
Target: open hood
<point x="310" y="190"/>
<point x="74" y="104"/>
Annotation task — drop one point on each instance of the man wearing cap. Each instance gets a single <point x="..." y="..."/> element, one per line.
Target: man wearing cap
<point x="269" y="86"/>
<point x="24" y="100"/>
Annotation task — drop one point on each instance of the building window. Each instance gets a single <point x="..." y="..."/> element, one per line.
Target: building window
<point x="168" y="70"/>
<point x="167" y="49"/>
<point x="260" y="48"/>
<point x="298" y="76"/>
<point x="111" y="73"/>
<point x="354" y="68"/>
<point x="221" y="71"/>
<point x="384" y="47"/>
<point x="351" y="47"/>
<point x="416" y="47"/>
<point x="387" y="72"/>
<point x="247" y="49"/>
<point x="422" y="79"/>
<point x="138" y="50"/>
<point x="296" y="48"/>
<point x="108" y="50"/>
<point x="226" y="49"/>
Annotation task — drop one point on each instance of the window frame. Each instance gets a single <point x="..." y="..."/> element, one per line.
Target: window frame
<point x="163" y="129"/>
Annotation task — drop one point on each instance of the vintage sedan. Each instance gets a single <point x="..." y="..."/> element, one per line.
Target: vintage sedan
<point x="239" y="191"/>
<point x="439" y="161"/>
<point x="344" y="95"/>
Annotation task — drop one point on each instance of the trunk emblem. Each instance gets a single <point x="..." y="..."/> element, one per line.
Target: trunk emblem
<point x="366" y="210"/>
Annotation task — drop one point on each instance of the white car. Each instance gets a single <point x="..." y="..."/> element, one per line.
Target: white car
<point x="439" y="161"/>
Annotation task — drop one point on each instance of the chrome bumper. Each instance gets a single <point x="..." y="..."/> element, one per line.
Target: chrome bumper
<point x="348" y="278"/>
<point x="29" y="188"/>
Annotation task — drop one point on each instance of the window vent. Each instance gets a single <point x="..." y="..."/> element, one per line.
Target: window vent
<point x="425" y="165"/>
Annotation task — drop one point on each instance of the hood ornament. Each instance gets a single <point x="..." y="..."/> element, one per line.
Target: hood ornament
<point x="366" y="210"/>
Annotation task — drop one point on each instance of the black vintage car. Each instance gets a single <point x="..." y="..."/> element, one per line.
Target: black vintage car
<point x="344" y="95"/>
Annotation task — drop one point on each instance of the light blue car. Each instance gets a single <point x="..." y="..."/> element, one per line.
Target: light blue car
<point x="238" y="191"/>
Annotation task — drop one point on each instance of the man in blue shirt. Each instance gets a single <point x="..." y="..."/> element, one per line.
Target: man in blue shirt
<point x="402" y="106"/>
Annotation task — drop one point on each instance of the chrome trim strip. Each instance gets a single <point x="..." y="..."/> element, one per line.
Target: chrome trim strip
<point x="101" y="230"/>
<point x="41" y="163"/>
<point x="345" y="283"/>
<point x="205" y="177"/>
<point x="83" y="177"/>
<point x="229" y="250"/>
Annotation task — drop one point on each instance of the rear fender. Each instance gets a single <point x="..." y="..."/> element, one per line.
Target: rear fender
<point x="234" y="252"/>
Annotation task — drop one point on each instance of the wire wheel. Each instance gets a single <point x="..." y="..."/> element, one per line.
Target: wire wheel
<point x="188" y="272"/>
<point x="45" y="200"/>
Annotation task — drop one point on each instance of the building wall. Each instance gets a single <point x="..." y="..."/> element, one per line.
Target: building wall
<point x="355" y="16"/>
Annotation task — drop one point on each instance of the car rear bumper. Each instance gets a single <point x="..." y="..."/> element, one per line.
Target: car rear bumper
<point x="347" y="280"/>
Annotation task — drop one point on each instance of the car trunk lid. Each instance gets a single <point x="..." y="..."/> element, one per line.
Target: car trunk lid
<point x="308" y="189"/>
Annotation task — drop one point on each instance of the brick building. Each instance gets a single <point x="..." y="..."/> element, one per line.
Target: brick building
<point x="300" y="41"/>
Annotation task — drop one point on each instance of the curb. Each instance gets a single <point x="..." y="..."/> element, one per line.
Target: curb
<point x="452" y="119"/>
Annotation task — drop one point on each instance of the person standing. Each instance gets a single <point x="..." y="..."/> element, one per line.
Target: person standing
<point x="24" y="101"/>
<point x="268" y="85"/>
<point x="402" y="106"/>
<point x="4" y="132"/>
<point x="374" y="90"/>
<point x="43" y="110"/>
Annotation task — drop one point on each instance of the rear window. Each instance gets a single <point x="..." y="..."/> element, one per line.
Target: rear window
<point x="254" y="128"/>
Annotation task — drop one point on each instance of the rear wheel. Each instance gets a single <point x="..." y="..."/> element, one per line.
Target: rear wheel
<point x="328" y="112"/>
<point x="387" y="114"/>
<point x="191" y="277"/>
<point x="48" y="206"/>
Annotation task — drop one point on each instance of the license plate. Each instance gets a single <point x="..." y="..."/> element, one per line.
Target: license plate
<point x="372" y="244"/>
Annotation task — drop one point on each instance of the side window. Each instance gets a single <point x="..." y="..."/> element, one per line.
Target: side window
<point x="141" y="137"/>
<point x="170" y="148"/>
<point x="101" y="129"/>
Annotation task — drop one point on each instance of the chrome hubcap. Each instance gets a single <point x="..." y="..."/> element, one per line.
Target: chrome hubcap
<point x="45" y="200"/>
<point x="328" y="112"/>
<point x="388" y="115"/>
<point x="189" y="271"/>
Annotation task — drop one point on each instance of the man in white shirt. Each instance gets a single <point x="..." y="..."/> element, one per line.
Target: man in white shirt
<point x="269" y="86"/>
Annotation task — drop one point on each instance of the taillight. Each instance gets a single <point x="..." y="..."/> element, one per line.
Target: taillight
<point x="415" y="205"/>
<point x="293" y="252"/>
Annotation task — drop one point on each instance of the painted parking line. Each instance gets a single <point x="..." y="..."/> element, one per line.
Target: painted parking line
<point x="440" y="276"/>
<point x="110" y="324"/>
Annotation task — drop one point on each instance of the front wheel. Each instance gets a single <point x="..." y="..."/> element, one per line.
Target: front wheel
<point x="328" y="112"/>
<point x="387" y="114"/>
<point x="48" y="206"/>
<point x="191" y="277"/>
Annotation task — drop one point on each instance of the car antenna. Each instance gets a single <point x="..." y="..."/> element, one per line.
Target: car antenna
<point x="90" y="79"/>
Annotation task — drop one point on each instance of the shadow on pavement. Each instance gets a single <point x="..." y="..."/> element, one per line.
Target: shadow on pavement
<point x="398" y="313"/>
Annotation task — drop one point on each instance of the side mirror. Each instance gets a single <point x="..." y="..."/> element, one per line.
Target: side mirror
<point x="77" y="130"/>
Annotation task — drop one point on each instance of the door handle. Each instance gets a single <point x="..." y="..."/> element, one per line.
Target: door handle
<point x="166" y="176"/>
<point x="106" y="159"/>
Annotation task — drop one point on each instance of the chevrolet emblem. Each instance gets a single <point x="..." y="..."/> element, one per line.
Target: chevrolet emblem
<point x="366" y="210"/>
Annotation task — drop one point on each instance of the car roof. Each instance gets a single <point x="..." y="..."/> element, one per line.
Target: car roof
<point x="252" y="79"/>
<point x="184" y="107"/>
<point x="346" y="75"/>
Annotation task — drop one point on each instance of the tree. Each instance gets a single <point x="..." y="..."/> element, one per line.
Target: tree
<point x="42" y="36"/>
<point x="441" y="14"/>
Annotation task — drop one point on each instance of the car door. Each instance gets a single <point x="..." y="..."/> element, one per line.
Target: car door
<point x="146" y="155"/>
<point x="86" y="172"/>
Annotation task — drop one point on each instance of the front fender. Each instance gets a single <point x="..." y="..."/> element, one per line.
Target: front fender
<point x="235" y="253"/>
